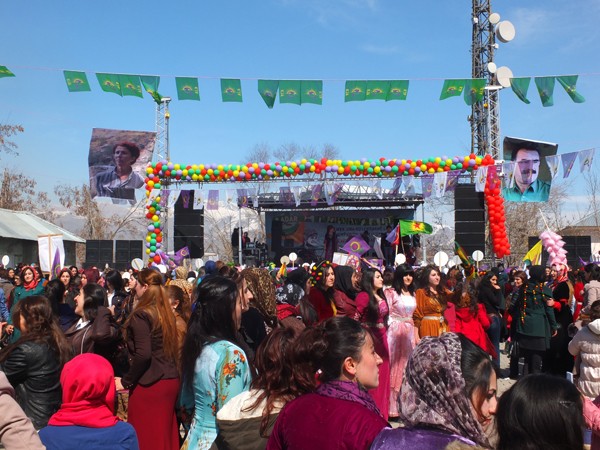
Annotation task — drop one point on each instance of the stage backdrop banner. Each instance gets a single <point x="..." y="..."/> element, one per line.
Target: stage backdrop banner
<point x="117" y="162"/>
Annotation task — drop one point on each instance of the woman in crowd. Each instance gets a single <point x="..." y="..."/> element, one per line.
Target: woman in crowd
<point x="490" y="295"/>
<point x="471" y="318"/>
<point x="431" y="304"/>
<point x="182" y="308"/>
<point x="31" y="285"/>
<point x="347" y="286"/>
<point x="153" y="378"/>
<point x="33" y="363"/>
<point x="214" y="367"/>
<point x="65" y="278"/>
<point x="181" y="280"/>
<point x="330" y="243"/>
<point x="591" y="290"/>
<point x="402" y="335"/>
<point x="586" y="347"/>
<point x="519" y="279"/>
<point x="448" y="394"/>
<point x="558" y="361"/>
<point x="302" y="279"/>
<point x="288" y="298"/>
<point x="540" y="412"/>
<point x="55" y="293"/>
<point x="321" y="295"/>
<point x="246" y="421"/>
<point x="372" y="311"/>
<point x="533" y="320"/>
<point x="115" y="291"/>
<point x="127" y="306"/>
<point x="261" y="316"/>
<point x="340" y="413"/>
<point x="86" y="418"/>
<point x="94" y="331"/>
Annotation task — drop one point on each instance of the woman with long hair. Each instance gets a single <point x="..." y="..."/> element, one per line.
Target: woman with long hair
<point x="302" y="279"/>
<point x="330" y="243"/>
<point x="246" y="421"/>
<point x="448" y="395"/>
<point x="214" y="367"/>
<point x="94" y="331"/>
<point x="339" y="354"/>
<point x="541" y="412"/>
<point x="491" y="296"/>
<point x="65" y="278"/>
<point x="86" y="418"/>
<point x="182" y="308"/>
<point x="372" y="311"/>
<point x="431" y="304"/>
<point x="261" y="316"/>
<point x="346" y="288"/>
<point x="153" y="378"/>
<point x="31" y="284"/>
<point x="402" y="334"/>
<point x="55" y="293"/>
<point x="321" y="294"/>
<point x="33" y="363"/>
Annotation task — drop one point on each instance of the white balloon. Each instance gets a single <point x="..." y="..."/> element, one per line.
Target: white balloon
<point x="5" y="260"/>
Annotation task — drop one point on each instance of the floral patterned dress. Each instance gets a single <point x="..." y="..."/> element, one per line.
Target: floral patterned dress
<point x="401" y="340"/>
<point x="221" y="373"/>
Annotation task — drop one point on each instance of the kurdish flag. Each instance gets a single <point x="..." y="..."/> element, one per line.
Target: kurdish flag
<point x="413" y="227"/>
<point x="460" y="252"/>
<point x="76" y="81"/>
<point x="534" y="255"/>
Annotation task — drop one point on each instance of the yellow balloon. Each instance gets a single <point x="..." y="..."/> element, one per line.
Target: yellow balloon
<point x="431" y="170"/>
<point x="423" y="167"/>
<point x="155" y="218"/>
<point x="377" y="169"/>
<point x="148" y="238"/>
<point x="413" y="164"/>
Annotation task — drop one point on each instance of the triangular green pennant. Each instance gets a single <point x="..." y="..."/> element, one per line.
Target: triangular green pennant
<point x="231" y="90"/>
<point x="76" y="81"/>
<point x="569" y="82"/>
<point x="289" y="91"/>
<point x="187" y="88"/>
<point x="398" y="90"/>
<point x="377" y="90"/>
<point x="452" y="88"/>
<point x="130" y="85"/>
<point x="474" y="89"/>
<point x="545" y="87"/>
<point x="109" y="83"/>
<point x="311" y="92"/>
<point x="268" y="91"/>
<point x="4" y="72"/>
<point x="150" y="84"/>
<point x="520" y="86"/>
<point x="356" y="91"/>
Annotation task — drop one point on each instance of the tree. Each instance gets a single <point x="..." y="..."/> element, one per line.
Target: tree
<point x="7" y="131"/>
<point x="18" y="193"/>
<point x="261" y="152"/>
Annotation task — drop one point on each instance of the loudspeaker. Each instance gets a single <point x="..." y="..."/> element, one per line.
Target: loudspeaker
<point x="125" y="251"/>
<point x="469" y="218"/>
<point x="188" y="227"/>
<point x="92" y="251"/>
<point x="99" y="252"/>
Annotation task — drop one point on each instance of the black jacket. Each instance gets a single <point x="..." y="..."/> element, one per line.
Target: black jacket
<point x="33" y="369"/>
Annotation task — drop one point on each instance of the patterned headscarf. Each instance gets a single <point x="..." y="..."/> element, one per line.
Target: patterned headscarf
<point x="562" y="274"/>
<point x="433" y="390"/>
<point x="289" y="293"/>
<point x="262" y="287"/>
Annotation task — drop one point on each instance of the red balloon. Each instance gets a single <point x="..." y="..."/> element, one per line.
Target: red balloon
<point x="157" y="259"/>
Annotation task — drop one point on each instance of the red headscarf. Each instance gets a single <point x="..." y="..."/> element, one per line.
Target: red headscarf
<point x="34" y="282"/>
<point x="562" y="274"/>
<point x="88" y="398"/>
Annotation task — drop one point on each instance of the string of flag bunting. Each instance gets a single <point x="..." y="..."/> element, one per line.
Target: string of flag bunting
<point x="301" y="92"/>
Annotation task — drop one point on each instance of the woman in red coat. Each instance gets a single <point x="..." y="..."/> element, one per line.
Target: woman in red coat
<point x="321" y="295"/>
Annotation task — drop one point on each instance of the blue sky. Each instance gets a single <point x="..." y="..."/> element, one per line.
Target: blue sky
<point x="335" y="40"/>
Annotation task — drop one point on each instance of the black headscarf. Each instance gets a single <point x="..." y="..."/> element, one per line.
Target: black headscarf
<point x="343" y="281"/>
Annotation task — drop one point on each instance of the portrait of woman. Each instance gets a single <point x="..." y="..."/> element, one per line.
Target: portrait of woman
<point x="121" y="180"/>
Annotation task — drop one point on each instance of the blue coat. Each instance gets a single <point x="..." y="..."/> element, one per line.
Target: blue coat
<point x="118" y="437"/>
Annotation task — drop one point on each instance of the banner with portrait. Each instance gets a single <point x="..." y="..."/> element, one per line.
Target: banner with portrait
<point x="531" y="178"/>
<point x="117" y="162"/>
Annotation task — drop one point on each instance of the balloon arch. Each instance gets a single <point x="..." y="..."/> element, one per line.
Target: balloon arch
<point x="165" y="172"/>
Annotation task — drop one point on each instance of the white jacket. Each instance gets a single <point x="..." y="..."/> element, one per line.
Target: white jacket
<point x="586" y="345"/>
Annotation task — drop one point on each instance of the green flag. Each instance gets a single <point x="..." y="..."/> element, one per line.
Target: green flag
<point x="289" y="91"/>
<point x="413" y="227"/>
<point x="151" y="87"/>
<point x="76" y="81"/>
<point x="187" y="88"/>
<point x="231" y="90"/>
<point x="520" y="86"/>
<point x="569" y="82"/>
<point x="377" y="90"/>
<point x="545" y="87"/>
<point x="398" y="90"/>
<point x="474" y="89"/>
<point x="452" y="88"/>
<point x="311" y="92"/>
<point x="356" y="91"/>
<point x="268" y="91"/>
<point x="130" y="85"/>
<point x="109" y="83"/>
<point x="4" y="72"/>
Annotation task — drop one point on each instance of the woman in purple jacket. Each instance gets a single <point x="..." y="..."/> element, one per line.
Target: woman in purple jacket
<point x="340" y="413"/>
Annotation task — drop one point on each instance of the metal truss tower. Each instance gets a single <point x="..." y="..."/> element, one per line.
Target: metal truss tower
<point x="485" y="127"/>
<point x="161" y="148"/>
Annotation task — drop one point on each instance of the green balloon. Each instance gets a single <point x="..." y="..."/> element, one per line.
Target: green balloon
<point x="395" y="169"/>
<point x="153" y="248"/>
<point x="370" y="170"/>
<point x="452" y="166"/>
<point x="152" y="241"/>
<point x="153" y="235"/>
<point x="156" y="224"/>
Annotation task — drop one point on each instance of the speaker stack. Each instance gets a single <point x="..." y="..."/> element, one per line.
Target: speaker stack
<point x="469" y="218"/>
<point x="98" y="252"/>
<point x="188" y="227"/>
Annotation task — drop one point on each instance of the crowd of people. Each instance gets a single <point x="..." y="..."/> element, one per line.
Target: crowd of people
<point x="323" y="357"/>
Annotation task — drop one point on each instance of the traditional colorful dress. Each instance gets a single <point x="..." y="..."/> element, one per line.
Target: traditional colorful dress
<point x="429" y="314"/>
<point x="401" y="340"/>
<point x="221" y="373"/>
<point x="381" y="394"/>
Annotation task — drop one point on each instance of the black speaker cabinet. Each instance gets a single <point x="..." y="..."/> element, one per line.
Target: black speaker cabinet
<point x="188" y="227"/>
<point x="469" y="218"/>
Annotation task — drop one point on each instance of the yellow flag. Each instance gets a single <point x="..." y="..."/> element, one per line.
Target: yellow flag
<point x="534" y="255"/>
